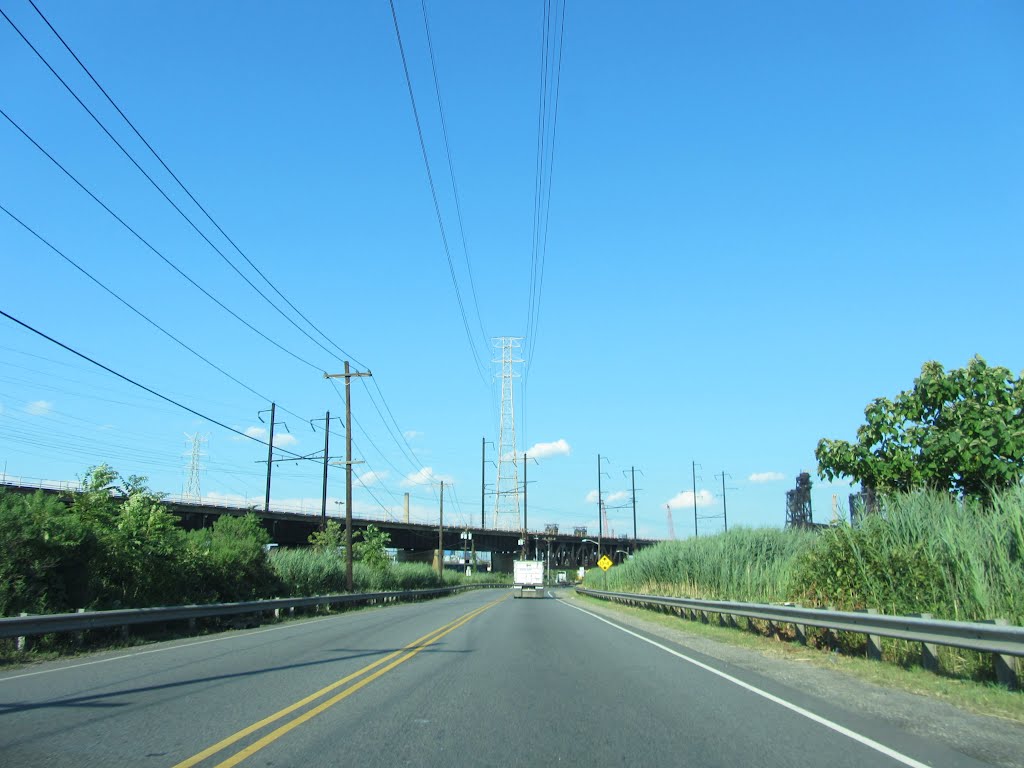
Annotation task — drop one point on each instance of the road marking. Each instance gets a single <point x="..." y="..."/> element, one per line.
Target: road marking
<point x="409" y="650"/>
<point x="870" y="743"/>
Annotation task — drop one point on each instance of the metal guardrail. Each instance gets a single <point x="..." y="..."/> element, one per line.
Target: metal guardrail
<point x="27" y="626"/>
<point x="996" y="638"/>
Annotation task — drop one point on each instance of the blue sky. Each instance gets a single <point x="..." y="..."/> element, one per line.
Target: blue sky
<point x="761" y="217"/>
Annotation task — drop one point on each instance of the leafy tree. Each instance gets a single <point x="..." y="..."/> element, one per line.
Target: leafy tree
<point x="332" y="539"/>
<point x="30" y="554"/>
<point x="145" y="548"/>
<point x="959" y="431"/>
<point x="228" y="561"/>
<point x="372" y="550"/>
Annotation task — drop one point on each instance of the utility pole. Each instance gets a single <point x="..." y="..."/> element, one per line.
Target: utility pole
<point x="725" y="514"/>
<point x="693" y="469"/>
<point x="327" y="446"/>
<point x="348" y="375"/>
<point x="327" y="459"/>
<point x="526" y="526"/>
<point x="483" y="480"/>
<point x="440" y="535"/>
<point x="270" y="454"/>
<point x="600" y="508"/>
<point x="632" y="476"/>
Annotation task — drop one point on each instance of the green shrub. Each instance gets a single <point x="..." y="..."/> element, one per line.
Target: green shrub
<point x="228" y="562"/>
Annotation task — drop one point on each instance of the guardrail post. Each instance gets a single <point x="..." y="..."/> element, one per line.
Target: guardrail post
<point x="1006" y="665"/>
<point x="22" y="642"/>
<point x="79" y="636"/>
<point x="874" y="641"/>
<point x="800" y="630"/>
<point x="929" y="651"/>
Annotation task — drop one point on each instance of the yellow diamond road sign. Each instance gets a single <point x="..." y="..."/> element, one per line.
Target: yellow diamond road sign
<point x="605" y="562"/>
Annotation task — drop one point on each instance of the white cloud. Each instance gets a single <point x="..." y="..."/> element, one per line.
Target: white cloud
<point x="544" y="450"/>
<point x="39" y="407"/>
<point x="766" y="477"/>
<point x="684" y="499"/>
<point x="371" y="477"/>
<point x="609" y="498"/>
<point x="281" y="439"/>
<point x="412" y="434"/>
<point x="424" y="476"/>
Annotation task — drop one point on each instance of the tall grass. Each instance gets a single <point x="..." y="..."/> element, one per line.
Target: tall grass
<point x="926" y="551"/>
<point x="310" y="571"/>
<point x="755" y="565"/>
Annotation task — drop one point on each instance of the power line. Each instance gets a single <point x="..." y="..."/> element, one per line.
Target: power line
<point x="137" y="311"/>
<point x="451" y="170"/>
<point x="141" y="386"/>
<point x="551" y="69"/>
<point x="179" y="182"/>
<point x="433" y="194"/>
<point x="152" y="248"/>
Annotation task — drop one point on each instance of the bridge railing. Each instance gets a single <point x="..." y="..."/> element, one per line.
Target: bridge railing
<point x="1003" y="641"/>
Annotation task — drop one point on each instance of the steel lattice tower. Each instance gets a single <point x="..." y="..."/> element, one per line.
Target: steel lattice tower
<point x="506" y="497"/>
<point x="192" y="489"/>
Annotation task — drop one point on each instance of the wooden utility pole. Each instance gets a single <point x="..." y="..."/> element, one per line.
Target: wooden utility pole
<point x="348" y="375"/>
<point x="440" y="535"/>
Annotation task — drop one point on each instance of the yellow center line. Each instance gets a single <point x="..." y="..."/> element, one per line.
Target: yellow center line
<point x="418" y="644"/>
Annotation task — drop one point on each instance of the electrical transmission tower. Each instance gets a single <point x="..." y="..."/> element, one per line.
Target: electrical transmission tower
<point x="506" y="492"/>
<point x="192" y="489"/>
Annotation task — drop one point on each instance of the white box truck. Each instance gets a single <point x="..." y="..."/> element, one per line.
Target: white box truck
<point x="528" y="577"/>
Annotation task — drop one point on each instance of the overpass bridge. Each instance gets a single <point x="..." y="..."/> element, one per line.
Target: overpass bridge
<point x="413" y="542"/>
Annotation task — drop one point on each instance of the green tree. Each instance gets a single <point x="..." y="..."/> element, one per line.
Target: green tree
<point x="145" y="549"/>
<point x="331" y="540"/>
<point x="372" y="550"/>
<point x="229" y="562"/>
<point x="960" y="431"/>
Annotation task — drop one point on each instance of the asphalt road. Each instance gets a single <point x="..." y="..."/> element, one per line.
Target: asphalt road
<point x="474" y="679"/>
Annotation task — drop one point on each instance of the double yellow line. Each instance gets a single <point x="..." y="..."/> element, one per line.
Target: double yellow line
<point x="395" y="658"/>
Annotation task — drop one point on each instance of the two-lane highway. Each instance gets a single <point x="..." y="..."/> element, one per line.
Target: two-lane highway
<point x="475" y="679"/>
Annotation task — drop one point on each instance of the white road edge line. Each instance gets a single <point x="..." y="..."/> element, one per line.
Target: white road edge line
<point x="871" y="743"/>
<point x="231" y="636"/>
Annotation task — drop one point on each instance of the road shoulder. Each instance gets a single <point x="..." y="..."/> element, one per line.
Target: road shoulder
<point x="993" y="739"/>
